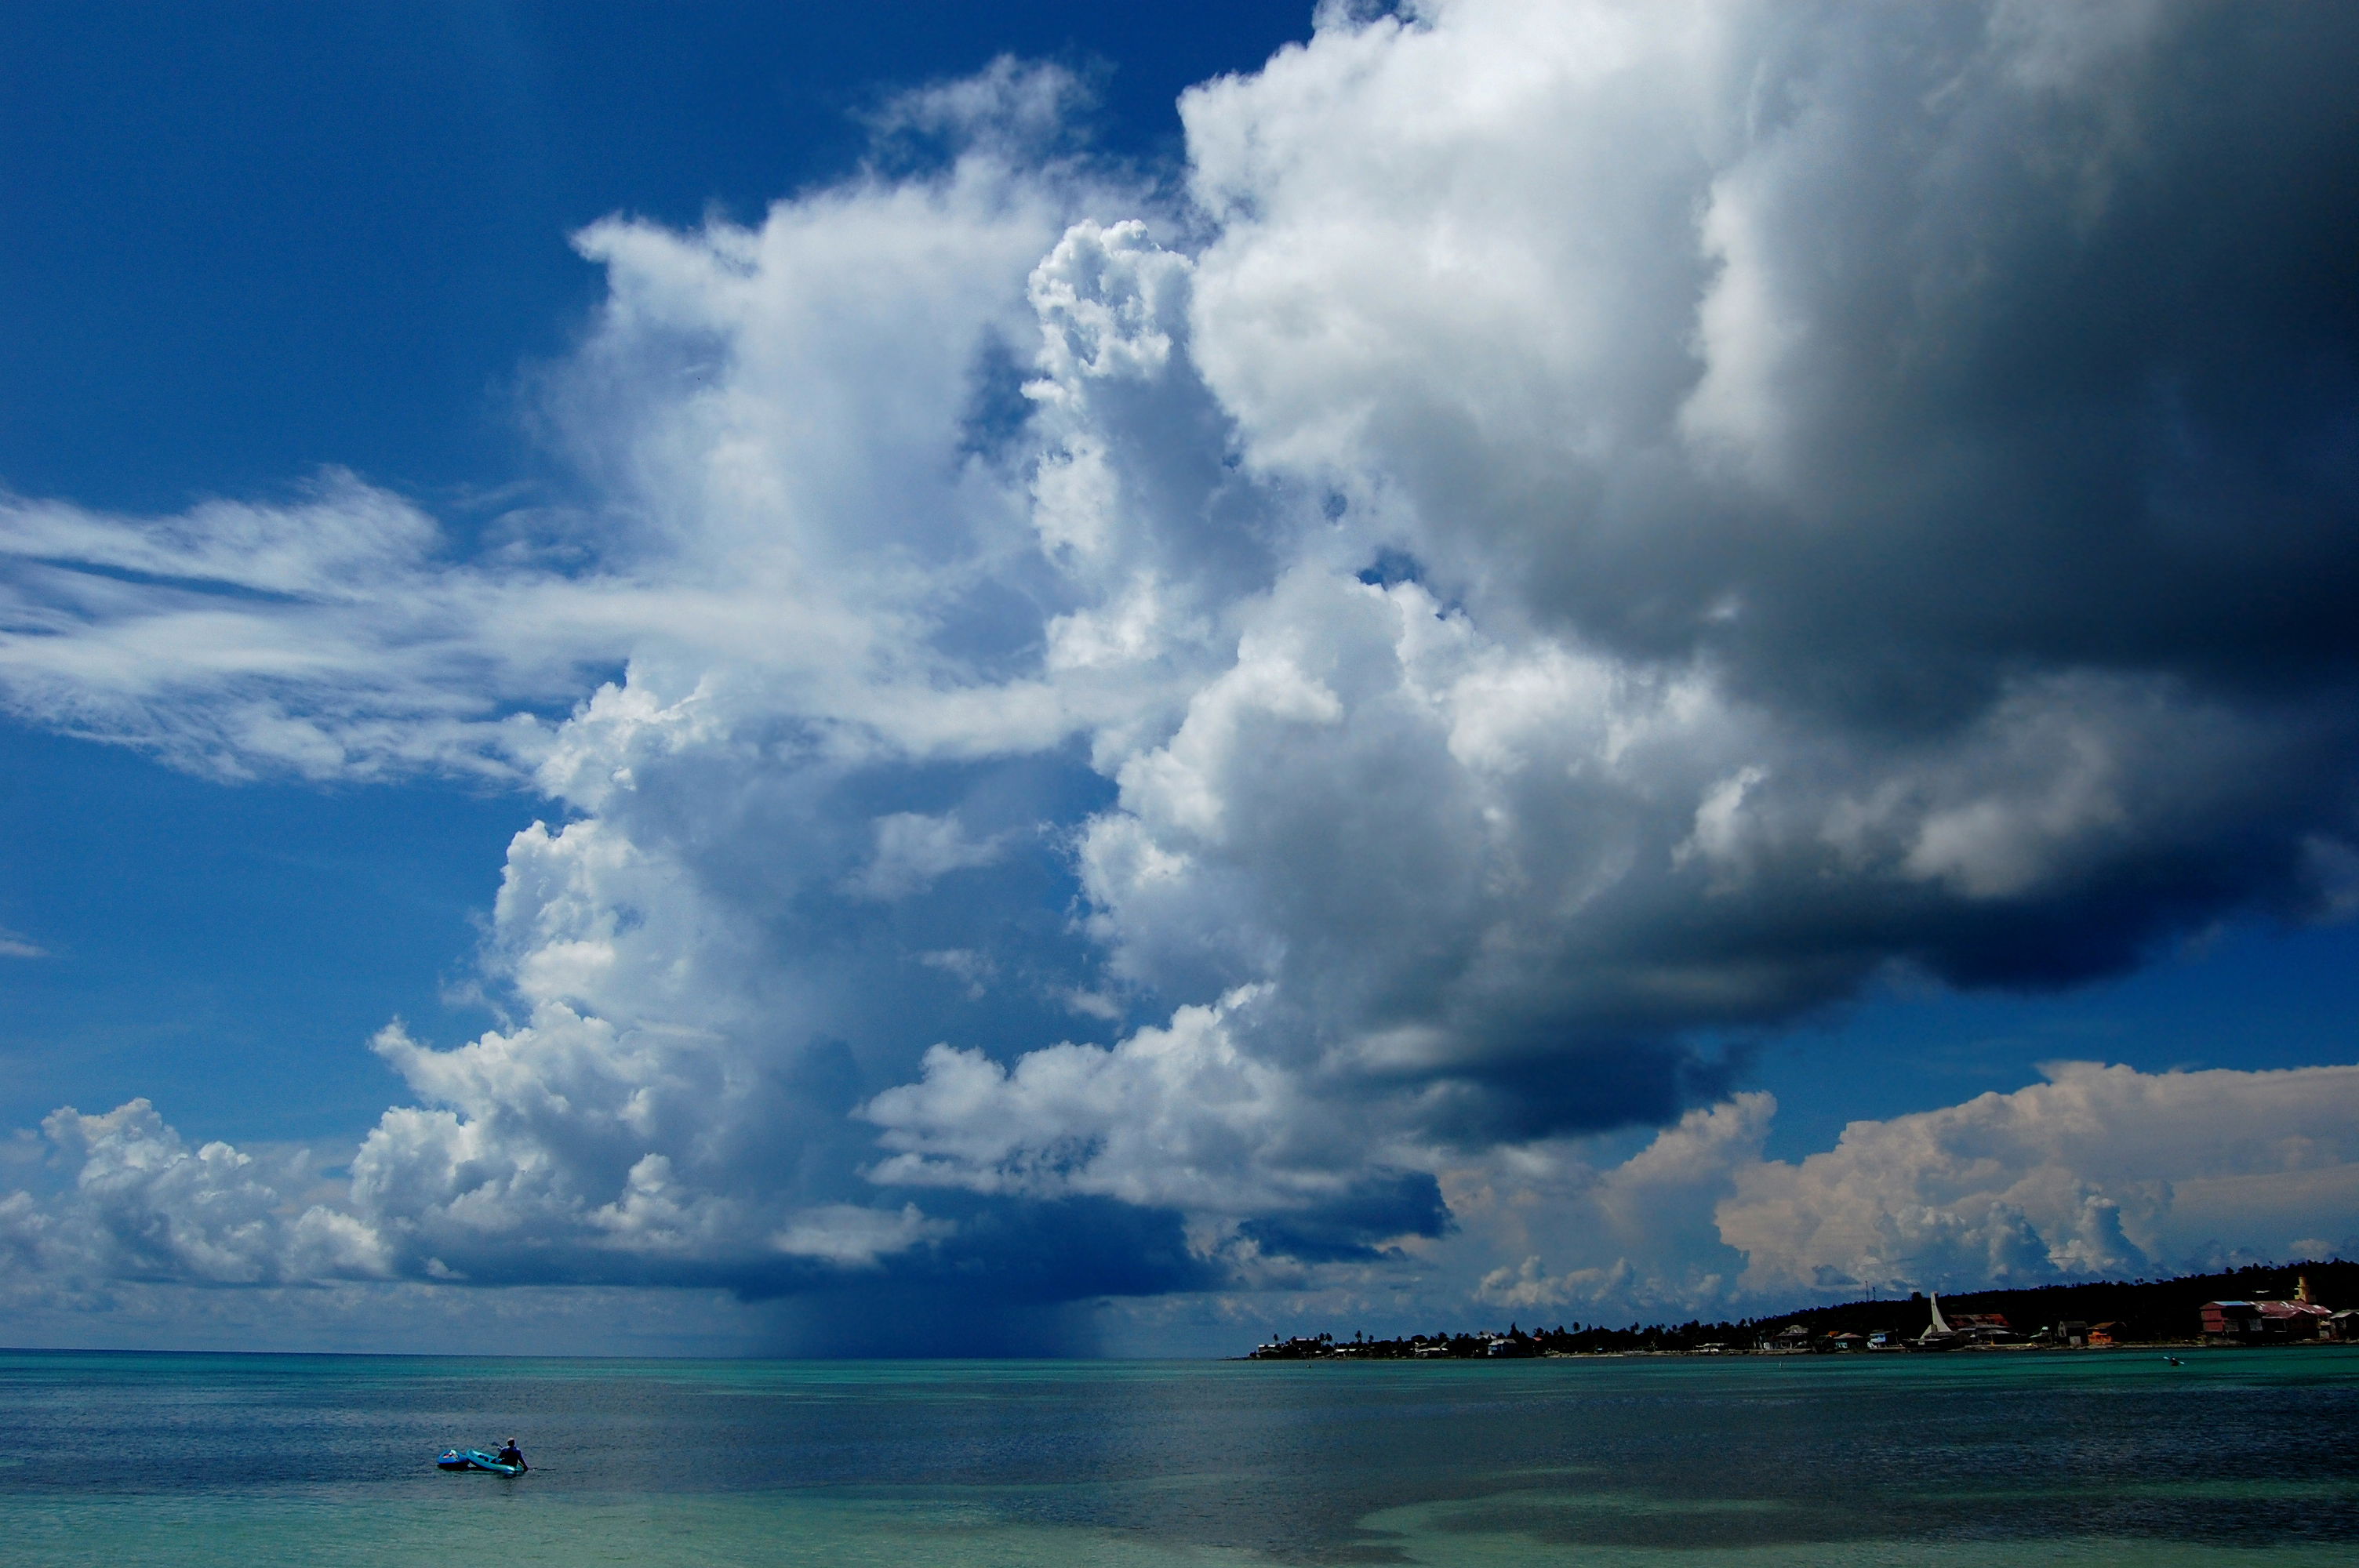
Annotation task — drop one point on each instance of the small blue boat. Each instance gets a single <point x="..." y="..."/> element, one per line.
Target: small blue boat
<point x="476" y="1459"/>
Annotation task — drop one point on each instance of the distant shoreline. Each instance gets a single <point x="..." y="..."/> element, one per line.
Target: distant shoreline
<point x="2272" y="1304"/>
<point x="2141" y="1346"/>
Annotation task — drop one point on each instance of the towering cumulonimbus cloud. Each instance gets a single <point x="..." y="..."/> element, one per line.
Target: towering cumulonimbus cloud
<point x="1165" y="738"/>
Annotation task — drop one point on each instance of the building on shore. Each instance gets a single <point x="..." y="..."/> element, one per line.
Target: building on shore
<point x="2266" y="1321"/>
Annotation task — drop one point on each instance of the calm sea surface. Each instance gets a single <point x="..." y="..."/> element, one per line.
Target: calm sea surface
<point x="2239" y="1457"/>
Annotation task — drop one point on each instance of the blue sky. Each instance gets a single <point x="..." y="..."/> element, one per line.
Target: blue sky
<point x="1400" y="698"/>
<point x="261" y="241"/>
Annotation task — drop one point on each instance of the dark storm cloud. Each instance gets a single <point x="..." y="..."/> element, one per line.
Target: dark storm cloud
<point x="1353" y="1224"/>
<point x="1969" y="396"/>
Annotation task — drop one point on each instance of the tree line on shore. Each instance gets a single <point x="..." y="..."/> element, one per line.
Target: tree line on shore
<point x="2136" y="1310"/>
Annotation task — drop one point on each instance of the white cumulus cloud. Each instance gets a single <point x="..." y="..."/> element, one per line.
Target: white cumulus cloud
<point x="2100" y="1172"/>
<point x="1168" y="732"/>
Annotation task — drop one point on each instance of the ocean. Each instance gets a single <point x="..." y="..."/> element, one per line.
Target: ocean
<point x="2239" y="1457"/>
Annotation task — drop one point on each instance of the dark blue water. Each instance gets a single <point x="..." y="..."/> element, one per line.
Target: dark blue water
<point x="2248" y="1457"/>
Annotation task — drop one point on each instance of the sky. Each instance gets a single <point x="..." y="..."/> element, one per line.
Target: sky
<point x="933" y="679"/>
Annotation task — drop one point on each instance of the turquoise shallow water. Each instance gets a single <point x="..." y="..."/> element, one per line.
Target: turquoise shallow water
<point x="1968" y="1460"/>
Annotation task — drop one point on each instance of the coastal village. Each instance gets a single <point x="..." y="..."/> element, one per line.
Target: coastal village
<point x="2253" y="1306"/>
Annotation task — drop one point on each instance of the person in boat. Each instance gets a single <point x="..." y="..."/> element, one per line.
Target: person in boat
<point x="514" y="1455"/>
